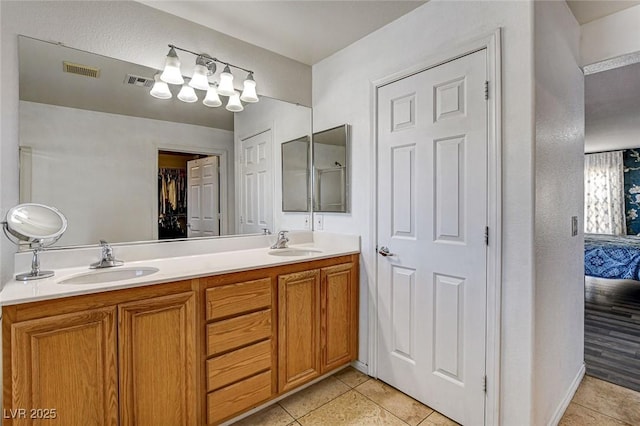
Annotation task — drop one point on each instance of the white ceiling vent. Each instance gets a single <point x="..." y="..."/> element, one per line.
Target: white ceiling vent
<point x="136" y="80"/>
<point x="85" y="70"/>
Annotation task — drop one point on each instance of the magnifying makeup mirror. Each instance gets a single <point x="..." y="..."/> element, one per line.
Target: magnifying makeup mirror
<point x="38" y="225"/>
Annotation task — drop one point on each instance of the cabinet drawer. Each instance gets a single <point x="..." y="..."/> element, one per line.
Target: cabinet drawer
<point x="237" y="365"/>
<point x="233" y="299"/>
<point x="235" y="332"/>
<point x="238" y="397"/>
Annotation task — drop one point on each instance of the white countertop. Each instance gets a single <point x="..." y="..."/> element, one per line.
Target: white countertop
<point x="174" y="269"/>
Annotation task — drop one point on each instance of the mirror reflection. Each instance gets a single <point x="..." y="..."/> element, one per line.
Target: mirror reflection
<point x="331" y="170"/>
<point x="124" y="166"/>
<point x="295" y="175"/>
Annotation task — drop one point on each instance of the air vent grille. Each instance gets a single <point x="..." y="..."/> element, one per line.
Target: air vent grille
<point x="84" y="70"/>
<point x="136" y="80"/>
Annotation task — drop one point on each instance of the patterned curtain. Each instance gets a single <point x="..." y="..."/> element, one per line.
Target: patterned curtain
<point x="604" y="193"/>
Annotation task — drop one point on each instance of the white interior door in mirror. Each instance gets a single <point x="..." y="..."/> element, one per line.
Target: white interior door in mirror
<point x="203" y="200"/>
<point x="256" y="185"/>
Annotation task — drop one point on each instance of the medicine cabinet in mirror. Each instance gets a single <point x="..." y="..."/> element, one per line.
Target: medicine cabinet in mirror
<point x="331" y="170"/>
<point x="124" y="166"/>
<point x="295" y="175"/>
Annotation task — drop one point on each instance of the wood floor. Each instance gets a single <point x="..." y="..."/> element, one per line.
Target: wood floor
<point x="612" y="331"/>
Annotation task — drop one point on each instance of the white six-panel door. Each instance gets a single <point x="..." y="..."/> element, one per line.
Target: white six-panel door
<point x="256" y="185"/>
<point x="203" y="197"/>
<point x="432" y="214"/>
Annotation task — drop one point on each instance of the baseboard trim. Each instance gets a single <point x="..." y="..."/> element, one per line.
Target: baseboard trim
<point x="564" y="404"/>
<point x="361" y="367"/>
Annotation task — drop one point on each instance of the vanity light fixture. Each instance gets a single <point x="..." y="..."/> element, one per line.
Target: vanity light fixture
<point x="234" y="104"/>
<point x="187" y="94"/>
<point x="205" y="68"/>
<point x="249" y="92"/>
<point x="200" y="79"/>
<point x="172" y="73"/>
<point x="226" y="83"/>
<point x="160" y="89"/>
<point x="212" y="99"/>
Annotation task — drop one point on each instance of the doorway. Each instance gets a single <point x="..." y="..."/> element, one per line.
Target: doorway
<point x="188" y="195"/>
<point x="256" y="183"/>
<point x="432" y="215"/>
<point x="612" y="223"/>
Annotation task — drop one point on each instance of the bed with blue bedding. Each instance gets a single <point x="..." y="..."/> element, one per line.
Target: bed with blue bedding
<point x="612" y="256"/>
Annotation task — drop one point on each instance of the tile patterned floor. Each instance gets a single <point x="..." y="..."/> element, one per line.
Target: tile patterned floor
<point x="352" y="398"/>
<point x="601" y="403"/>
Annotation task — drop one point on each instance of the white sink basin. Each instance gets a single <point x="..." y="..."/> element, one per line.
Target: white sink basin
<point x="108" y="275"/>
<point x="294" y="252"/>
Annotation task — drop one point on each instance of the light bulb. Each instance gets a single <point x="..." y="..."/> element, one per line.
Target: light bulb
<point x="199" y="80"/>
<point x="187" y="94"/>
<point x="234" y="104"/>
<point x="249" y="92"/>
<point x="172" y="73"/>
<point x="212" y="99"/>
<point x="160" y="89"/>
<point x="226" y="83"/>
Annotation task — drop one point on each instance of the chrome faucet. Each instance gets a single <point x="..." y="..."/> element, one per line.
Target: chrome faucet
<point x="107" y="260"/>
<point x="282" y="240"/>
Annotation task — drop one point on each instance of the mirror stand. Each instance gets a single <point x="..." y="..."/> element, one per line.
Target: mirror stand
<point x="38" y="225"/>
<point x="37" y="247"/>
<point x="35" y="273"/>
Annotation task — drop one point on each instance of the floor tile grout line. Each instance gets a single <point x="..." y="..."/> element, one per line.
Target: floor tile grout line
<point x="422" y="420"/>
<point x="599" y="412"/>
<point x="285" y="410"/>
<point x="311" y="411"/>
<point x="353" y="387"/>
<point x="388" y="411"/>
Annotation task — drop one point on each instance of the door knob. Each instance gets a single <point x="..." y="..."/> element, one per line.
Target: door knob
<point x="384" y="251"/>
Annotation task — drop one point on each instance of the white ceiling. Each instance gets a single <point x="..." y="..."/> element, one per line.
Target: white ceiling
<point x="306" y="31"/>
<point x="310" y="30"/>
<point x="590" y="10"/>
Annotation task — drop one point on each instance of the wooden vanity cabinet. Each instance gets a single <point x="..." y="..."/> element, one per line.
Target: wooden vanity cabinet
<point x="191" y="352"/>
<point x="123" y="357"/>
<point x="339" y="313"/>
<point x="271" y="330"/>
<point x="157" y="360"/>
<point x="65" y="366"/>
<point x="240" y="341"/>
<point x="298" y="328"/>
<point x="317" y="322"/>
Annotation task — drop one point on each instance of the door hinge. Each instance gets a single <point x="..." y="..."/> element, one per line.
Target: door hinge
<point x="486" y="235"/>
<point x="486" y="90"/>
<point x="484" y="384"/>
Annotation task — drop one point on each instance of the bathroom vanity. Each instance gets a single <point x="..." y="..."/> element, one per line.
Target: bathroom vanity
<point x="194" y="344"/>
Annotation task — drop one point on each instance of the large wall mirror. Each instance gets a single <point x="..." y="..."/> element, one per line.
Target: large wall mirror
<point x="331" y="170"/>
<point x="124" y="166"/>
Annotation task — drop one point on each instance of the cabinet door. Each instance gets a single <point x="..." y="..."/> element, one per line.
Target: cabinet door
<point x="339" y="315"/>
<point x="65" y="366"/>
<point x="298" y="328"/>
<point x="157" y="361"/>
